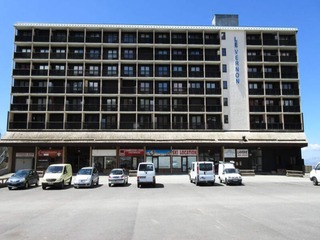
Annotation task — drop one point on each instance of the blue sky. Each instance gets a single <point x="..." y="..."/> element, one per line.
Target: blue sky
<point x="302" y="14"/>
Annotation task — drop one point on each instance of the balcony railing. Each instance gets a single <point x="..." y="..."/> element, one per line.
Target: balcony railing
<point x="55" y="107"/>
<point x="291" y="108"/>
<point x="261" y="126"/>
<point x="21" y="72"/>
<point x="55" y="125"/>
<point x="257" y="91"/>
<point x="18" y="89"/>
<point x="275" y="126"/>
<point x="22" y="55"/>
<point x="18" y="107"/>
<point x="18" y="125"/>
<point x="294" y="91"/>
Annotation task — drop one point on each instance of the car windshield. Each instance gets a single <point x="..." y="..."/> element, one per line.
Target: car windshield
<point x="85" y="171"/>
<point x="205" y="166"/>
<point x="54" y="169"/>
<point x="21" y="173"/>
<point x="146" y="167"/>
<point x="230" y="170"/>
<point x="116" y="172"/>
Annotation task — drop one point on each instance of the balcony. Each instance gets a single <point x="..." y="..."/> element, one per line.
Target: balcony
<point x="38" y="107"/>
<point x="109" y="126"/>
<point x="55" y="55"/>
<point x="37" y="89"/>
<point x="273" y="91"/>
<point x="72" y="72"/>
<point x="36" y="125"/>
<point x="180" y="125"/>
<point x="19" y="89"/>
<point x="22" y="55"/>
<point x="180" y="108"/>
<point x="214" y="125"/>
<point x="91" y="125"/>
<point x="73" y="125"/>
<point x="258" y="126"/>
<point x="294" y="91"/>
<point x="55" y="125"/>
<point x="39" y="72"/>
<point x="91" y="107"/>
<point x="41" y="38"/>
<point x="21" y="72"/>
<point x="40" y="55"/>
<point x="272" y="74"/>
<point x="213" y="74"/>
<point x="197" y="126"/>
<point x="18" y="125"/>
<point x="213" y="108"/>
<point x="127" y="107"/>
<point x="59" y="38"/>
<point x="196" y="108"/>
<point x="257" y="58"/>
<point x="55" y="107"/>
<point x="275" y="126"/>
<point x="293" y="126"/>
<point x="211" y="91"/>
<point x="55" y="72"/>
<point x="289" y="75"/>
<point x="288" y="58"/>
<point x="109" y="108"/>
<point x="291" y="108"/>
<point x="18" y="107"/>
<point x="257" y="91"/>
<point x="73" y="55"/>
<point x="256" y="108"/>
<point x="23" y="38"/>
<point x="273" y="108"/>
<point x="74" y="107"/>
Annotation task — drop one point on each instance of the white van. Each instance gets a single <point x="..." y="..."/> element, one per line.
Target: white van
<point x="315" y="174"/>
<point x="202" y="172"/>
<point x="57" y="175"/>
<point x="228" y="173"/>
<point x="146" y="174"/>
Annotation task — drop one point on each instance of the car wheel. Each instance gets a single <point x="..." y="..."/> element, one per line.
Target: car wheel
<point x="62" y="185"/>
<point x="44" y="187"/>
<point x="26" y="185"/>
<point x="37" y="183"/>
<point x="109" y="184"/>
<point x="226" y="182"/>
<point x="91" y="184"/>
<point x="315" y="181"/>
<point x="10" y="188"/>
<point x="220" y="180"/>
<point x="138" y="185"/>
<point x="196" y="181"/>
<point x="97" y="182"/>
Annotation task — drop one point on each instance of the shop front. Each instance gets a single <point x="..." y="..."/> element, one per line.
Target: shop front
<point x="104" y="159"/>
<point x="24" y="160"/>
<point x="161" y="158"/>
<point x="46" y="157"/>
<point x="182" y="159"/>
<point x="130" y="158"/>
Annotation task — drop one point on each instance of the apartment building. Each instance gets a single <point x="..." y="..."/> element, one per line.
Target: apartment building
<point x="117" y="95"/>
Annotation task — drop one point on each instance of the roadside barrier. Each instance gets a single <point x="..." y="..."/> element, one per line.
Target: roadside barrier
<point x="247" y="172"/>
<point x="294" y="173"/>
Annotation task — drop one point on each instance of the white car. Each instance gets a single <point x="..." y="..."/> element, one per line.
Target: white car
<point x="146" y="174"/>
<point x="202" y="172"/>
<point x="231" y="176"/>
<point x="315" y="174"/>
<point x="118" y="176"/>
<point x="86" y="177"/>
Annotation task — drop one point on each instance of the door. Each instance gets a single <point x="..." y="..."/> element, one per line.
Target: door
<point x="184" y="164"/>
<point x="155" y="161"/>
<point x="23" y="163"/>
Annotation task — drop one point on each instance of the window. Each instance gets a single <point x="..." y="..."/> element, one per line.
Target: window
<point x="223" y="36"/>
<point x="224" y="52"/>
<point x="225" y="84"/>
<point x="112" y="54"/>
<point x="226" y="119"/>
<point x="94" y="87"/>
<point x="128" y="54"/>
<point x="162" y="87"/>
<point x="128" y="71"/>
<point x="144" y="71"/>
<point x="112" y="37"/>
<point x="145" y="87"/>
<point x="94" y="53"/>
<point x="224" y="68"/>
<point x="112" y="70"/>
<point x="77" y="70"/>
<point x="288" y="102"/>
<point x="225" y="102"/>
<point x="94" y="70"/>
<point x="253" y="85"/>
<point x="163" y="71"/>
<point x="129" y="38"/>
<point x="178" y="87"/>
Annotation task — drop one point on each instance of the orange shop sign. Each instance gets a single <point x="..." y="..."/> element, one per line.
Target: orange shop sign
<point x="50" y="153"/>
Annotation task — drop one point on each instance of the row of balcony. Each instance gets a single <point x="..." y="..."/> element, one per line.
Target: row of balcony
<point x="113" y="126"/>
<point x="110" y="108"/>
<point x="114" y="37"/>
<point x="145" y="126"/>
<point x="108" y="56"/>
<point x="275" y="108"/>
<point x="114" y="73"/>
<point x="114" y="90"/>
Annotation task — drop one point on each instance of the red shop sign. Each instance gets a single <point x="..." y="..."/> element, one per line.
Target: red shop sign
<point x="131" y="152"/>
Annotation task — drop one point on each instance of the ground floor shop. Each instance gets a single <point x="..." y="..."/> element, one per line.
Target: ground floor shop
<point x="167" y="160"/>
<point x="171" y="152"/>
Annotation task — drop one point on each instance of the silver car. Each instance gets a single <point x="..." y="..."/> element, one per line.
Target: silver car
<point x="118" y="176"/>
<point x="86" y="177"/>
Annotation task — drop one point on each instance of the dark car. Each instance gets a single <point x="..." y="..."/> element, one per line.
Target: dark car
<point x="23" y="179"/>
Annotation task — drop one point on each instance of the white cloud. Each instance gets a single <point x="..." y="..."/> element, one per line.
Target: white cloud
<point x="311" y="154"/>
<point x="311" y="147"/>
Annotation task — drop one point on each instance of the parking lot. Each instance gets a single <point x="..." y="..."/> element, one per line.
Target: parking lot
<point x="264" y="207"/>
